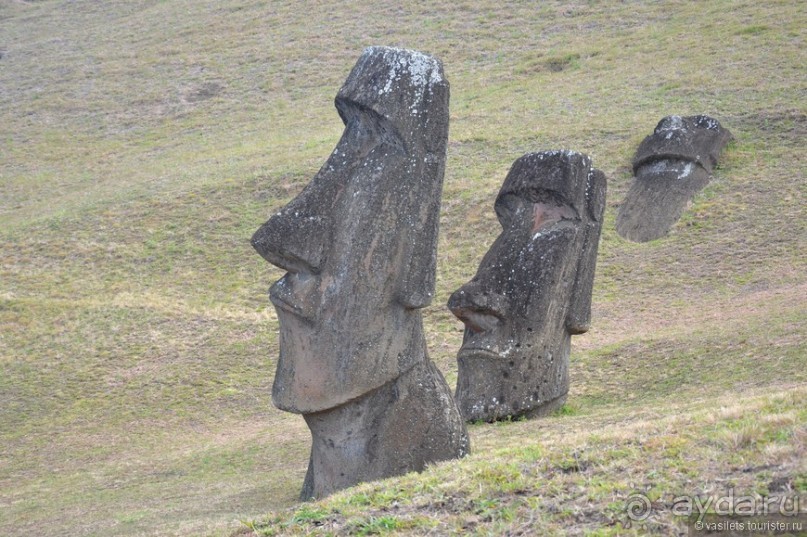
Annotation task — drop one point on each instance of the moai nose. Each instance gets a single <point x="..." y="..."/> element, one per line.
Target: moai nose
<point x="478" y="309"/>
<point x="294" y="239"/>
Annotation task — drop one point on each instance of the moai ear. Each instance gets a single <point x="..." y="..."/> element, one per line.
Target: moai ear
<point x="578" y="319"/>
<point x="418" y="280"/>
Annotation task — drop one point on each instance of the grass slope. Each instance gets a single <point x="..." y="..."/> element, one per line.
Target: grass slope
<point x="144" y="141"/>
<point x="574" y="475"/>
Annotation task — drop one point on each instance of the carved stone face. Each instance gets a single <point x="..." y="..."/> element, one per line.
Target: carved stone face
<point x="671" y="166"/>
<point x="359" y="241"/>
<point x="532" y="289"/>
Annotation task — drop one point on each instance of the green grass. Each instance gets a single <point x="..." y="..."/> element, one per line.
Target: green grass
<point x="580" y="473"/>
<point x="141" y="144"/>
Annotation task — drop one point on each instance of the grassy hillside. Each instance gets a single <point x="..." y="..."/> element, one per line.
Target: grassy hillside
<point x="142" y="142"/>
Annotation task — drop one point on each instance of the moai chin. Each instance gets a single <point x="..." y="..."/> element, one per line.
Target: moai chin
<point x="671" y="166"/>
<point x="532" y="290"/>
<point x="359" y="244"/>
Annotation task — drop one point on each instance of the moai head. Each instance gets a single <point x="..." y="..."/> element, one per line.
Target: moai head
<point x="532" y="289"/>
<point x="359" y="242"/>
<point x="671" y="166"/>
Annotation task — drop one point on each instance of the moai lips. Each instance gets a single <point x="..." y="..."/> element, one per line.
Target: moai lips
<point x="532" y="290"/>
<point x="671" y="166"/>
<point x="359" y="244"/>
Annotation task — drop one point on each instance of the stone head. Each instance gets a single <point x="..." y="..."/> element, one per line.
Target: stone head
<point x="359" y="242"/>
<point x="533" y="287"/>
<point x="671" y="166"/>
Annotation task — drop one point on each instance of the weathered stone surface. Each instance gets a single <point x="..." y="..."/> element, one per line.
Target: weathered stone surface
<point x="532" y="290"/>
<point x="398" y="428"/>
<point x="671" y="166"/>
<point x="359" y="244"/>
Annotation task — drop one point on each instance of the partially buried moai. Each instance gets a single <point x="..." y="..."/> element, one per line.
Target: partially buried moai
<point x="532" y="290"/>
<point x="359" y="244"/>
<point x="671" y="166"/>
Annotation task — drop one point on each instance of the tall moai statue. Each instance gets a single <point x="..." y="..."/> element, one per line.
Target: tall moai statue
<point x="532" y="290"/>
<point x="359" y="244"/>
<point x="671" y="166"/>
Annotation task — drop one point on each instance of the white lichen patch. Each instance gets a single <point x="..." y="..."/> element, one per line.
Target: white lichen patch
<point x="661" y="166"/>
<point x="568" y="153"/>
<point x="670" y="123"/>
<point x="686" y="171"/>
<point x="422" y="71"/>
<point x="706" y="122"/>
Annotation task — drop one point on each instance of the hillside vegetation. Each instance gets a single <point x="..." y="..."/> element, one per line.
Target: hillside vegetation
<point x="142" y="142"/>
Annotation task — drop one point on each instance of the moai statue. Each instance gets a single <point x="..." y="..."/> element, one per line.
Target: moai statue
<point x="671" y="166"/>
<point x="532" y="290"/>
<point x="359" y="244"/>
